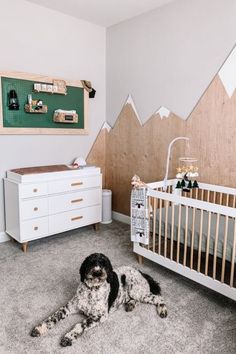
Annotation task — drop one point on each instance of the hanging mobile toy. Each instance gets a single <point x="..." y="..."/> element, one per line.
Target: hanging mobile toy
<point x="187" y="172"/>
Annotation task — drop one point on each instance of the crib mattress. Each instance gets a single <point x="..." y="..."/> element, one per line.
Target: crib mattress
<point x="221" y="234"/>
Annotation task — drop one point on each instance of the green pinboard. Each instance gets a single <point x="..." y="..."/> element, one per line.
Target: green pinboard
<point x="74" y="100"/>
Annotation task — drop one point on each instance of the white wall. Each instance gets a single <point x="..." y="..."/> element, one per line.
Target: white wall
<point x="169" y="56"/>
<point x="38" y="40"/>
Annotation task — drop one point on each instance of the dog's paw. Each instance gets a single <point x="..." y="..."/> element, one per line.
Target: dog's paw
<point x="39" y="330"/>
<point x="162" y="310"/>
<point x="35" y="332"/>
<point x="65" y="342"/>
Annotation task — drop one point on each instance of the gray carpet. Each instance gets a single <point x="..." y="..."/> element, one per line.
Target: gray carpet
<point x="37" y="283"/>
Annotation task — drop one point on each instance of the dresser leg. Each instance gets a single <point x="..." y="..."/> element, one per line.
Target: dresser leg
<point x="140" y="259"/>
<point x="24" y="247"/>
<point x="96" y="226"/>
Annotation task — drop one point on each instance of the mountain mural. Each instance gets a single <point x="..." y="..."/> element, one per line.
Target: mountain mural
<point x="131" y="147"/>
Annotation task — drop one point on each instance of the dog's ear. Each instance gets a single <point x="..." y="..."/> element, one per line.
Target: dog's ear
<point x="107" y="264"/>
<point x="84" y="268"/>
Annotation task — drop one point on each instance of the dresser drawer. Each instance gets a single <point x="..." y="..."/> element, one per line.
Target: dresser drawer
<point x="32" y="190"/>
<point x="73" y="184"/>
<point x="33" y="229"/>
<point x="74" y="219"/>
<point x="74" y="200"/>
<point x="33" y="208"/>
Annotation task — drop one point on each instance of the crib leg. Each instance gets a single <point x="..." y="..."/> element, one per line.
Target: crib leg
<point x="140" y="259"/>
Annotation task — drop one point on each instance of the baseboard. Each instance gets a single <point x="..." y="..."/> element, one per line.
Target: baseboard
<point x="121" y="217"/>
<point x="4" y="237"/>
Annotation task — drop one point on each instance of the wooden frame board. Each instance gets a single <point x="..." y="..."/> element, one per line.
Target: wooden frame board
<point x="48" y="131"/>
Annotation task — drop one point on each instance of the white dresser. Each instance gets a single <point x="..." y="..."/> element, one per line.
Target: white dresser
<point x="43" y="201"/>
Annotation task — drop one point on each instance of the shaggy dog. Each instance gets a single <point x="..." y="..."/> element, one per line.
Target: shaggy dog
<point x="101" y="291"/>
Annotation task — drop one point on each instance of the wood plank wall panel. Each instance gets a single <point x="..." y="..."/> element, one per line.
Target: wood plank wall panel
<point x="212" y="130"/>
<point x="132" y="148"/>
<point x="97" y="154"/>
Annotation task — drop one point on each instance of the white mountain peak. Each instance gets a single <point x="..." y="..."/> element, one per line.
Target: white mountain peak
<point x="106" y="126"/>
<point x="131" y="102"/>
<point x="227" y="73"/>
<point x="163" y="112"/>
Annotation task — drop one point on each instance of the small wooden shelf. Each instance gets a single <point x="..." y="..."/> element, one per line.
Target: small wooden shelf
<point x="30" y="109"/>
<point x="51" y="92"/>
<point x="57" y="87"/>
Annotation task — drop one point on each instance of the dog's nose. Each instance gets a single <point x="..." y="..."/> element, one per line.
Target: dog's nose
<point x="97" y="273"/>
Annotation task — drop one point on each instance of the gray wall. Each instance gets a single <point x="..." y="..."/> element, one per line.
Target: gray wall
<point x="169" y="56"/>
<point x="38" y="40"/>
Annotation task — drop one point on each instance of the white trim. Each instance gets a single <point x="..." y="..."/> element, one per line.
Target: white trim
<point x="207" y="186"/>
<point x="194" y="203"/>
<point x="216" y="188"/>
<point x="200" y="278"/>
<point x="4" y="237"/>
<point x="121" y="217"/>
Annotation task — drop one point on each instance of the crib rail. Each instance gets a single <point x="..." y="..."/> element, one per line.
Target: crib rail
<point x="196" y="231"/>
<point x="184" y="244"/>
<point x="206" y="192"/>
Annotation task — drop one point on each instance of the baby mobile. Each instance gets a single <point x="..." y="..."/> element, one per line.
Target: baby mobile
<point x="187" y="173"/>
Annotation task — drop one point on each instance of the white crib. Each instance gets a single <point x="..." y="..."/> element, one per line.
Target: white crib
<point x="193" y="234"/>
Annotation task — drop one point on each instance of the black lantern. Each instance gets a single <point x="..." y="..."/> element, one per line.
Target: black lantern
<point x="13" y="101"/>
<point x="92" y="93"/>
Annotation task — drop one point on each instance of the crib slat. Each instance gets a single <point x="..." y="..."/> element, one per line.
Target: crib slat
<point x="191" y="193"/>
<point x="200" y="243"/>
<point x="224" y="249"/>
<point x="192" y="242"/>
<point x="186" y="236"/>
<point x="149" y="219"/>
<point x="154" y="225"/>
<point x="208" y="196"/>
<point x="166" y="228"/>
<point x="214" y="197"/>
<point x="233" y="257"/>
<point x="221" y="197"/>
<point x="159" y="235"/>
<point x="233" y="206"/>
<point x="202" y="194"/>
<point x="208" y="242"/>
<point x="178" y="237"/>
<point x="227" y="199"/>
<point x="216" y="245"/>
<point x="172" y="230"/>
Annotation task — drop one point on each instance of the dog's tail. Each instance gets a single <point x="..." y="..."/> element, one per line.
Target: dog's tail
<point x="154" y="286"/>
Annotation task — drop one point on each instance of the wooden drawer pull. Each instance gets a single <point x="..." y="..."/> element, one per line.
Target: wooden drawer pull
<point x="77" y="200"/>
<point x="36" y="209"/>
<point x="36" y="228"/>
<point x="76" y="218"/>
<point x="76" y="184"/>
<point x="35" y="190"/>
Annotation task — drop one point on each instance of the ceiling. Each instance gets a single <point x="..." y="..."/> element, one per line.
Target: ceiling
<point x="102" y="12"/>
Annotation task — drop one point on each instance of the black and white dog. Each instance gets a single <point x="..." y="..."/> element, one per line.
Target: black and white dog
<point x="101" y="291"/>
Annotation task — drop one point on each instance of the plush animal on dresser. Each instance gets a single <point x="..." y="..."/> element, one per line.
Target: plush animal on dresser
<point x="101" y="291"/>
